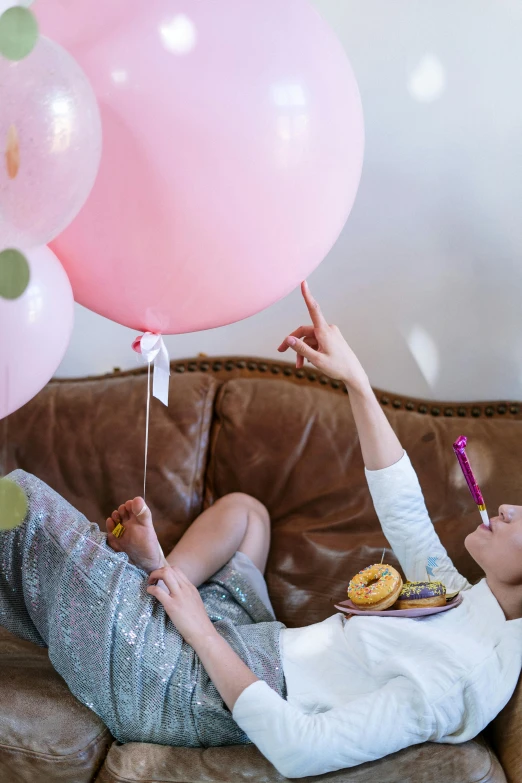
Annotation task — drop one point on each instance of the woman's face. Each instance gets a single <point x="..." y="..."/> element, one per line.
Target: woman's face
<point x="498" y="549"/>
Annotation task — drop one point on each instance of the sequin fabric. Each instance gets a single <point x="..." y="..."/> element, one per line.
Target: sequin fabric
<point x="63" y="587"/>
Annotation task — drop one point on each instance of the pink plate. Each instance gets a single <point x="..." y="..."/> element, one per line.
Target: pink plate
<point x="423" y="611"/>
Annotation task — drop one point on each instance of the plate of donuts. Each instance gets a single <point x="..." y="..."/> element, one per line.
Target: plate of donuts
<point x="347" y="607"/>
<point x="379" y="591"/>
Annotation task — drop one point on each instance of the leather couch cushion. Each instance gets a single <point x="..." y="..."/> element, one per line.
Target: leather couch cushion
<point x="296" y="449"/>
<point x="471" y="762"/>
<point x="46" y="735"/>
<point x="86" y="440"/>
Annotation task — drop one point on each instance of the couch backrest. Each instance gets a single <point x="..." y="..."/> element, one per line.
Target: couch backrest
<point x="86" y="440"/>
<point x="286" y="437"/>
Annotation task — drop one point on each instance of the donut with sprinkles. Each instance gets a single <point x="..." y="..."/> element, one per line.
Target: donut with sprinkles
<point x="376" y="587"/>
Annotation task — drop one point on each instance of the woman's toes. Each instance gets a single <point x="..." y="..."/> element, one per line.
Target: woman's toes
<point x="124" y="514"/>
<point x="128" y="506"/>
<point x="116" y="517"/>
<point x="141" y="511"/>
<point x="111" y="540"/>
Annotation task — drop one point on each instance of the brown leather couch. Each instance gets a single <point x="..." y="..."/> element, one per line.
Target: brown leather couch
<point x="287" y="437"/>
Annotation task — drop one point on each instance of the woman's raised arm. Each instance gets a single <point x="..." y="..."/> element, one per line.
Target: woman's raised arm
<point x="324" y="346"/>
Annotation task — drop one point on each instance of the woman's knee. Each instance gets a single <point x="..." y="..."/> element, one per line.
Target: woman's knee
<point x="241" y="501"/>
<point x="255" y="542"/>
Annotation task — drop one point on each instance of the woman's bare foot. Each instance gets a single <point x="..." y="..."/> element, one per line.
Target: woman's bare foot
<point x="139" y="541"/>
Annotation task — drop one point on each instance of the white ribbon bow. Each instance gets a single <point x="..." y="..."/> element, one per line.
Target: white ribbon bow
<point x="153" y="350"/>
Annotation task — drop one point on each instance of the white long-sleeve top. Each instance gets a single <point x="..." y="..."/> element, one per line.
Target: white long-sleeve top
<point x="360" y="688"/>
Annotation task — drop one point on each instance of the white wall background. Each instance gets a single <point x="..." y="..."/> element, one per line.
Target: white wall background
<point x="426" y="279"/>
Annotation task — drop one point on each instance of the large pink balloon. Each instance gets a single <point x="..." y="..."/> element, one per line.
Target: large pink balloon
<point x="233" y="146"/>
<point x="35" y="330"/>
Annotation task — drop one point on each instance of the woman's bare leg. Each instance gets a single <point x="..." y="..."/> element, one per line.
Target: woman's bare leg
<point x="236" y="522"/>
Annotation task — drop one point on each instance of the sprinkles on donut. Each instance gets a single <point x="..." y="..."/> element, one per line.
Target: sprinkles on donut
<point x="416" y="594"/>
<point x="376" y="587"/>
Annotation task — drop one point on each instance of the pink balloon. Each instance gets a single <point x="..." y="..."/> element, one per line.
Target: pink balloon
<point x="35" y="330"/>
<point x="50" y="141"/>
<point x="233" y="146"/>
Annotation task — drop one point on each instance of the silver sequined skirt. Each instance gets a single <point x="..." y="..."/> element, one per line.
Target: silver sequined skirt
<point x="62" y="587"/>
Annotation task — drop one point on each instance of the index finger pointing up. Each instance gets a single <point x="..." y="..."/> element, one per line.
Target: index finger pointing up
<point x="316" y="315"/>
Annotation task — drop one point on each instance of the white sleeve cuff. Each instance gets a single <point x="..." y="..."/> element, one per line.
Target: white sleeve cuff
<point x="397" y="468"/>
<point x="250" y="701"/>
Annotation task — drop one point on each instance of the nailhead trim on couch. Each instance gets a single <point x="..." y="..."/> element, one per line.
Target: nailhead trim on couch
<point x="226" y="367"/>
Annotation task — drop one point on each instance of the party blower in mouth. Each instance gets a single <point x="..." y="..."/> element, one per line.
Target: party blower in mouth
<point x="459" y="447"/>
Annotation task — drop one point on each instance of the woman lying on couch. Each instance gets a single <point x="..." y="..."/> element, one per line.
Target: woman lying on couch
<point x="187" y="651"/>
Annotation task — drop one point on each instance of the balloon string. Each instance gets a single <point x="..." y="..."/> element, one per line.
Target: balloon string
<point x="146" y="432"/>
